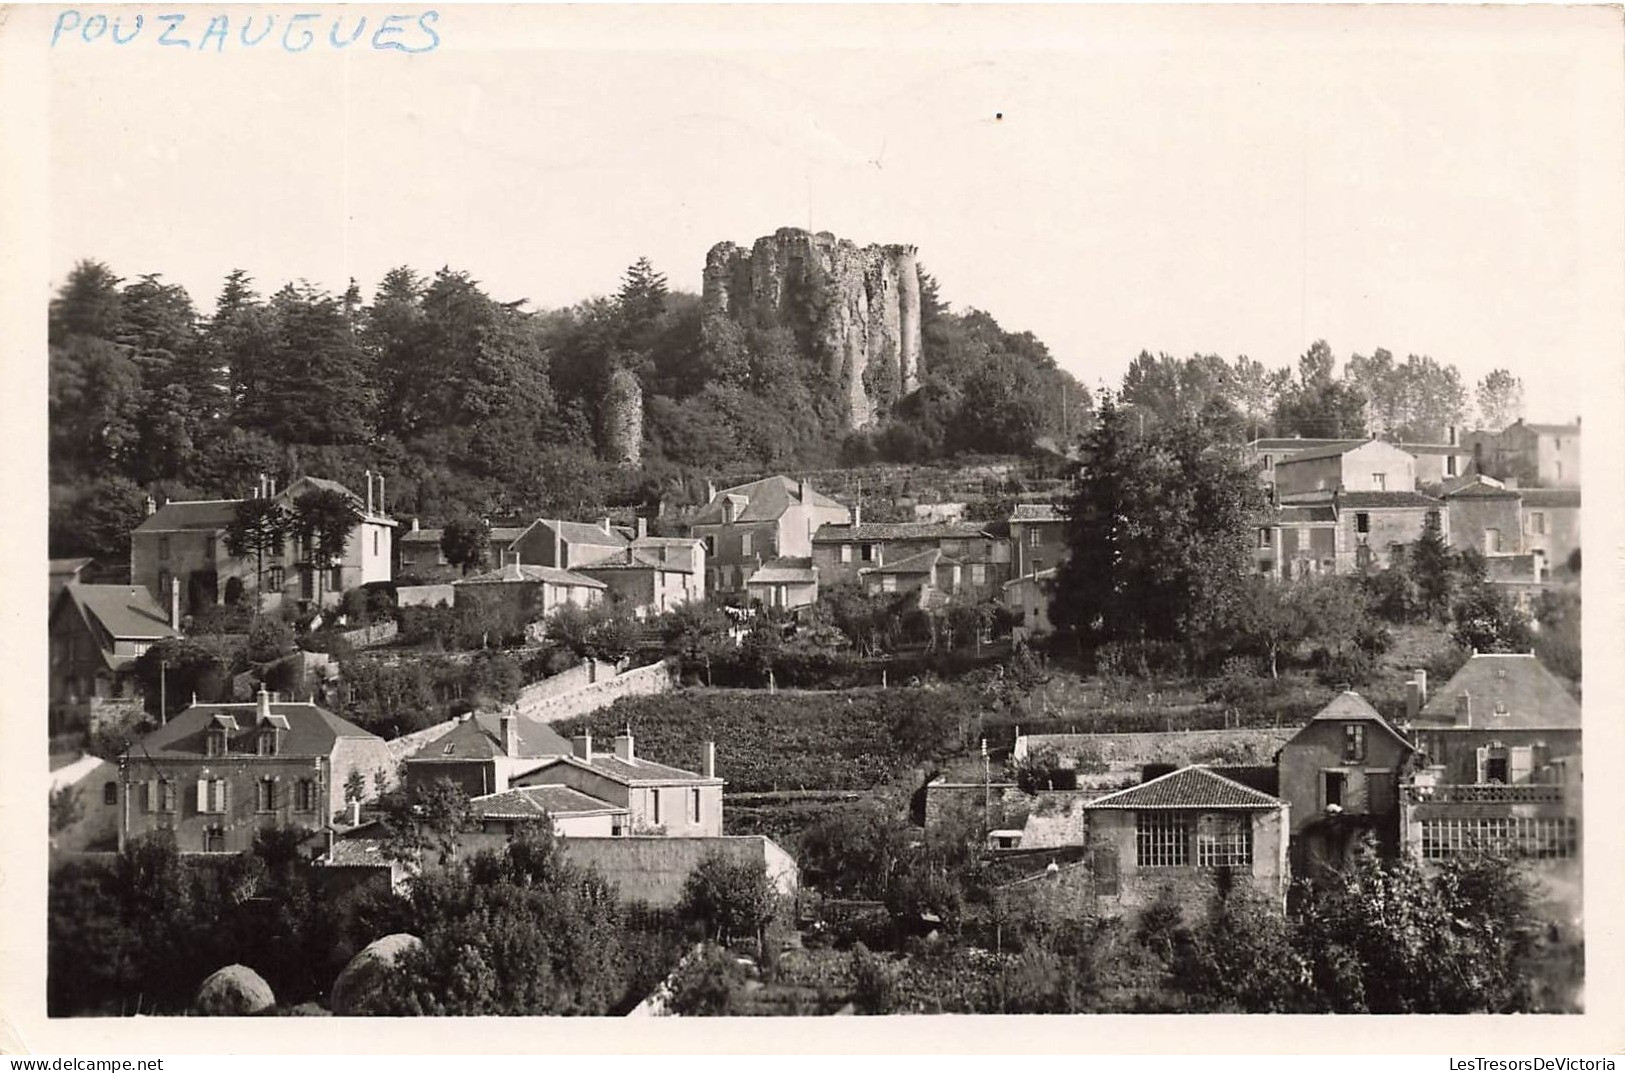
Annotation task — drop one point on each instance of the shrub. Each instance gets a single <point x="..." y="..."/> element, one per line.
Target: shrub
<point x="874" y="989"/>
<point x="707" y="984"/>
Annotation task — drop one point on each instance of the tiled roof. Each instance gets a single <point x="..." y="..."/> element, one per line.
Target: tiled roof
<point x="1349" y="705"/>
<point x="1479" y="486"/>
<point x="1037" y="512"/>
<point x="1297" y="443"/>
<point x="357" y="853"/>
<point x="923" y="563"/>
<point x="420" y="536"/>
<point x="760" y="501"/>
<point x="1529" y="696"/>
<point x="515" y="573"/>
<point x="582" y="533"/>
<point x="1385" y="500"/>
<point x="785" y="571"/>
<point x="1548" y="430"/>
<point x="537" y="802"/>
<point x="480" y="738"/>
<point x="312" y="731"/>
<point x="635" y="559"/>
<point x="124" y="611"/>
<point x="1330" y="450"/>
<point x="1190" y="787"/>
<point x="68" y="566"/>
<point x="1303" y="514"/>
<point x="835" y="534"/>
<point x="1433" y="448"/>
<point x="1550" y="497"/>
<point x="199" y="514"/>
<point x="613" y="767"/>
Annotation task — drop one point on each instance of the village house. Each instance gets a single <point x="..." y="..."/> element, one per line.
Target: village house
<point x="482" y="753"/>
<point x="843" y="552"/>
<point x="766" y="523"/>
<point x="1340" y="775"/>
<point x="658" y="798"/>
<point x="1500" y="768"/>
<point x="567" y="545"/>
<point x="1364" y="466"/>
<point x="1438" y="463"/>
<point x="571" y="813"/>
<point x="65" y="572"/>
<point x="529" y="592"/>
<point x="96" y="634"/>
<point x="1298" y="540"/>
<point x="217" y="774"/>
<point x="783" y="584"/>
<point x="185" y="542"/>
<point x="1028" y="597"/>
<point x="1550" y="522"/>
<point x="1546" y="456"/>
<point x="1268" y="452"/>
<point x="1183" y="833"/>
<point x="419" y="554"/>
<point x="935" y="577"/>
<point x="653" y="575"/>
<point x="1342" y="532"/>
<point x="1037" y="538"/>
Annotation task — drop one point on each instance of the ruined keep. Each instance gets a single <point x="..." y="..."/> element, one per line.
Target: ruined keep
<point x="854" y="310"/>
<point x="623" y="419"/>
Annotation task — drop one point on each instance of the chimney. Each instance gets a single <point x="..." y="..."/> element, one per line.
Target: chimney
<point x="710" y="490"/>
<point x="369" y="491"/>
<point x="806" y="492"/>
<point x="381" y="508"/>
<point x="857" y="514"/>
<point x="1421" y="680"/>
<point x="152" y="506"/>
<point x="708" y="760"/>
<point x="623" y="747"/>
<point x="175" y="603"/>
<point x="355" y="814"/>
<point x="581" y="746"/>
<point x="414" y="525"/>
<point x="262" y="486"/>
<point x="264" y="699"/>
<point x="643" y="527"/>
<point x="510" y="735"/>
<point x="558" y="548"/>
<point x="1413" y="700"/>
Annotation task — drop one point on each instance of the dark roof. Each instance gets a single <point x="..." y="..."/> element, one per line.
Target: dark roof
<point x="761" y="501"/>
<point x="479" y="737"/>
<point x="1550" y="497"/>
<point x="420" y="536"/>
<point x="1296" y="443"/>
<point x="1348" y="706"/>
<point x="1386" y="500"/>
<point x="518" y="573"/>
<point x="1433" y="448"/>
<point x="1529" y="696"/>
<point x="204" y="515"/>
<point x="613" y="767"/>
<point x="1479" y="486"/>
<point x="124" y="611"/>
<point x="68" y="566"/>
<point x="536" y="802"/>
<point x="1330" y="450"/>
<point x="835" y="534"/>
<point x="579" y="532"/>
<point x="1190" y="787"/>
<point x="1302" y="514"/>
<point x="312" y="731"/>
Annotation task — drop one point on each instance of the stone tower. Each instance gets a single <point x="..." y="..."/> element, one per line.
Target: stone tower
<point x="623" y="418"/>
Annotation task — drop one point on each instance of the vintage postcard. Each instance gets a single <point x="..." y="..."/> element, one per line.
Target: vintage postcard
<point x="1024" y="528"/>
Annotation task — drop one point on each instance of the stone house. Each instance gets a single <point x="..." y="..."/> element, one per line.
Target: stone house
<point x="530" y="592"/>
<point x="1366" y="466"/>
<point x="571" y="813"/>
<point x="1269" y="452"/>
<point x="217" y="774"/>
<point x="1439" y="463"/>
<point x="1546" y="456"/>
<point x="1297" y="540"/>
<point x="1486" y="516"/>
<point x="567" y="545"/>
<point x="931" y="574"/>
<point x="1342" y="532"/>
<point x="1341" y="775"/>
<point x="843" y="552"/>
<point x="657" y="798"/>
<point x="1028" y="597"/>
<point x="1037" y="538"/>
<point x="1500" y="768"/>
<point x="65" y="572"/>
<point x="653" y="575"/>
<point x="185" y="541"/>
<point x="96" y="633"/>
<point x="748" y="526"/>
<point x="483" y="752"/>
<point x="1550" y="523"/>
<point x="784" y="584"/>
<point x="1184" y="832"/>
<point x="419" y="555"/>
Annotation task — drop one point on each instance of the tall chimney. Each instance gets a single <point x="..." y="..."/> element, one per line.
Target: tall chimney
<point x="603" y="523"/>
<point x="355" y="814"/>
<point x="152" y="506"/>
<point x="369" y="491"/>
<point x="558" y="548"/>
<point x="264" y="700"/>
<point x="806" y="492"/>
<point x="708" y="760"/>
<point x="1421" y="678"/>
<point x="381" y="508"/>
<point x="623" y="747"/>
<point x="1413" y="700"/>
<point x="643" y="527"/>
<point x="857" y="514"/>
<point x="510" y="735"/>
<point x="175" y="603"/>
<point x="710" y="490"/>
<point x="581" y="746"/>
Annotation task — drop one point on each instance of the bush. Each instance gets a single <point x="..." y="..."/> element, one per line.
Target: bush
<point x="707" y="984"/>
<point x="874" y="989"/>
<point x="730" y="900"/>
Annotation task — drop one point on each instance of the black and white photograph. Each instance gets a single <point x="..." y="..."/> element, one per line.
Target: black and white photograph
<point x="763" y="512"/>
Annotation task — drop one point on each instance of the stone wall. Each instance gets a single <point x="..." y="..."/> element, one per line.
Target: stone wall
<point x="653" y="869"/>
<point x="551" y="706"/>
<point x="855" y="310"/>
<point x="368" y="636"/>
<point x="426" y="595"/>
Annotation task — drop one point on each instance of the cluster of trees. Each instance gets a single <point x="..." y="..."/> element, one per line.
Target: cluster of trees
<point x="473" y="405"/>
<point x="1417" y="399"/>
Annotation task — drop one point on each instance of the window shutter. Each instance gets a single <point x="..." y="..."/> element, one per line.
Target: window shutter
<point x="153" y="802"/>
<point x="225" y="795"/>
<point x="203" y="795"/>
<point x="1521" y="763"/>
<point x="1483" y="762"/>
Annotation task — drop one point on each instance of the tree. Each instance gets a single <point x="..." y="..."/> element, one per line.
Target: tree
<point x="466" y="542"/>
<point x="729" y="899"/>
<point x="706" y="984"/>
<point x="1433" y="569"/>
<point x="1487" y="621"/>
<point x="324" y="519"/>
<point x="67" y="808"/>
<point x="1500" y="399"/>
<point x="1318" y="404"/>
<point x="258" y="527"/>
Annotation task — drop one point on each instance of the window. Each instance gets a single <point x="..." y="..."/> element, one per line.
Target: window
<point x="208" y="547"/>
<point x="276" y="577"/>
<point x="694" y="805"/>
<point x="1546" y="838"/>
<point x="216" y="742"/>
<point x="710" y="545"/>
<point x="166" y="795"/>
<point x="214" y="839"/>
<point x="846" y="553"/>
<point x="109" y="793"/>
<point x="1264" y="537"/>
<point x="654" y="796"/>
<point x="163" y="586"/>
<point x="1537" y="523"/>
<point x="1353" y="742"/>
<point x="213" y="795"/>
<point x="1559" y="472"/>
<point x="336" y="581"/>
<point x="744" y="543"/>
<point x="1032" y="537"/>
<point x="375" y="542"/>
<point x="1379" y="482"/>
<point x="1449" y="465"/>
<point x="1362" y="522"/>
<point x="1224" y="841"/>
<point x="265" y="795"/>
<point x="870" y="552"/>
<point x="163" y="547"/>
<point x="888" y="583"/>
<point x="978" y="574"/>
<point x="1332" y="784"/>
<point x="1161" y="840"/>
<point x="1492" y="541"/>
<point x="1362" y="557"/>
<point x="304" y="795"/>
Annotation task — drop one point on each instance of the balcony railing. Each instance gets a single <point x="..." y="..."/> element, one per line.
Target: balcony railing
<point x="1489" y="793"/>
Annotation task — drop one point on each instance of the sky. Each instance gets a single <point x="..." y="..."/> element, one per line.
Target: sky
<point x="1216" y="180"/>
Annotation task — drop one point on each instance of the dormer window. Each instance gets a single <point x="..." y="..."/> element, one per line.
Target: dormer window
<point x="268" y="742"/>
<point x="216" y="742"/>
